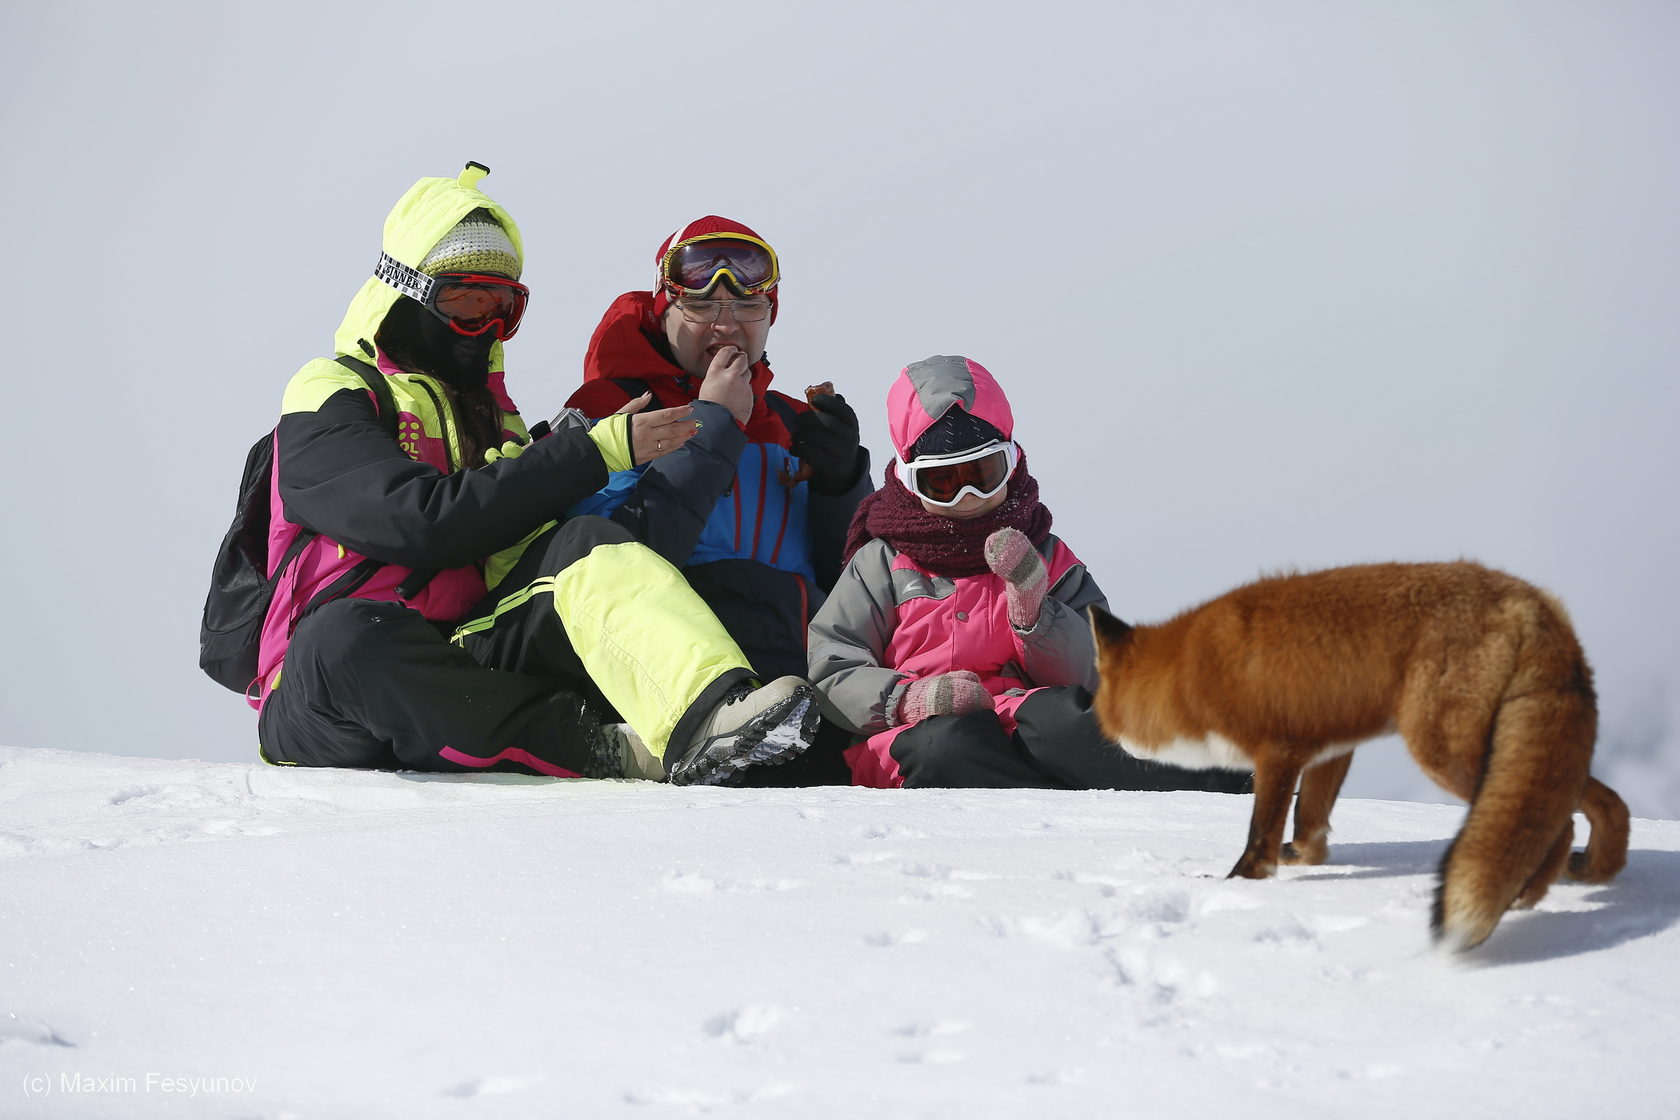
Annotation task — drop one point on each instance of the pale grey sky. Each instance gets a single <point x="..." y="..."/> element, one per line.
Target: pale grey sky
<point x="1301" y="282"/>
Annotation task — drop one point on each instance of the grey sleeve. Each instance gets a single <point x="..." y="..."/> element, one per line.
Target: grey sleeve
<point x="1059" y="648"/>
<point x="848" y="643"/>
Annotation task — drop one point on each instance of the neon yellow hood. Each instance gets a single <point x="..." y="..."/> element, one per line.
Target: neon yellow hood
<point x="418" y="221"/>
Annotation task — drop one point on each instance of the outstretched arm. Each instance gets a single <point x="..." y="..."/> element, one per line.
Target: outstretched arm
<point x="342" y="475"/>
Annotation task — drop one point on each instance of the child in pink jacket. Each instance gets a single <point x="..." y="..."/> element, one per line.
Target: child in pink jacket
<point x="955" y="644"/>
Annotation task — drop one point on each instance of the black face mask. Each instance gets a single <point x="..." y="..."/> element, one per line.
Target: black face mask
<point x="416" y="338"/>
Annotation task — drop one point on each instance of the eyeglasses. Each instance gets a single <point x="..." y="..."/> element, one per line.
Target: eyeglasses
<point x="472" y="304"/>
<point x="708" y="310"/>
<point x="945" y="480"/>
<point x="694" y="267"/>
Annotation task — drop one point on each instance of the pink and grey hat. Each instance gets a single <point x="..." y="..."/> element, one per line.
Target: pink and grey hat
<point x="946" y="404"/>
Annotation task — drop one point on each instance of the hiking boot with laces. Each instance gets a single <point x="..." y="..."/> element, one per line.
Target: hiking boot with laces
<point x="753" y="726"/>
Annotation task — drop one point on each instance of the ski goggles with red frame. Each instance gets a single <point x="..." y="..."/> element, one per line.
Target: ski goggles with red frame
<point x="946" y="480"/>
<point x="471" y="303"/>
<point x="694" y="267"/>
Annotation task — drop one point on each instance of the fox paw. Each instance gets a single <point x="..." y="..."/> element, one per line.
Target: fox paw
<point x="1253" y="869"/>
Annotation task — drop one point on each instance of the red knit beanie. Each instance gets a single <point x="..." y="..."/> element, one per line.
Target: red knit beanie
<point x="711" y="223"/>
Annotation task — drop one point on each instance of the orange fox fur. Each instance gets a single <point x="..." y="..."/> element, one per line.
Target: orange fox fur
<point x="1479" y="672"/>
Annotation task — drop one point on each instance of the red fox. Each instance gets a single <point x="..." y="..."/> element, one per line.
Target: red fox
<point x="1478" y="671"/>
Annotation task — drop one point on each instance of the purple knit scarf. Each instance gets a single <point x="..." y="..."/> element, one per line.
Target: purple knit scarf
<point x="946" y="546"/>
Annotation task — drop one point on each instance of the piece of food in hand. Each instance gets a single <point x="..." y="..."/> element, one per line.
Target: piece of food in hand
<point x="789" y="478"/>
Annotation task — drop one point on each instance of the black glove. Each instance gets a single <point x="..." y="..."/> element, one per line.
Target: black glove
<point x="825" y="437"/>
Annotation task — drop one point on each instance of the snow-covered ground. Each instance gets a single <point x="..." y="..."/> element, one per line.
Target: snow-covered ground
<point x="232" y="940"/>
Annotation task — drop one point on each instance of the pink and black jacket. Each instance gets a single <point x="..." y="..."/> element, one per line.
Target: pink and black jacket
<point x="406" y="503"/>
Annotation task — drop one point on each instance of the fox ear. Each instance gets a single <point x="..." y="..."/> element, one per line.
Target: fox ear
<point x="1108" y="630"/>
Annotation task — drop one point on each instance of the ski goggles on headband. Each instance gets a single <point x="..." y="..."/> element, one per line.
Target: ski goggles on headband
<point x="694" y="267"/>
<point x="471" y="303"/>
<point x="947" y="479"/>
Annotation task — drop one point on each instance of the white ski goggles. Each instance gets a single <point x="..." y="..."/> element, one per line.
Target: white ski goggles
<point x="945" y="480"/>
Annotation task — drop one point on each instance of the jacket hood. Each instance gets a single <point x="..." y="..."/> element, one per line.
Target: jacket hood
<point x="623" y="343"/>
<point x="419" y="220"/>
<point x="926" y="390"/>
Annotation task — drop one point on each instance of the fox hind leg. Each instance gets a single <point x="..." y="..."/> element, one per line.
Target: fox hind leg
<point x="1320" y="786"/>
<point x="1606" y="851"/>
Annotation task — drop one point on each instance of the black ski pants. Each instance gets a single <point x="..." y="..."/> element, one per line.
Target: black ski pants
<point x="375" y="685"/>
<point x="1056" y="745"/>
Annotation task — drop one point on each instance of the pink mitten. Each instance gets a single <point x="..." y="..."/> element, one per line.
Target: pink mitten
<point x="1013" y="558"/>
<point x="948" y="694"/>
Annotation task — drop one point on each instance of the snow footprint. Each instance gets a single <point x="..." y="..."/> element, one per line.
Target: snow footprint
<point x="888" y="940"/>
<point x="492" y="1086"/>
<point x="1073" y="929"/>
<point x="746" y="1025"/>
<point x="1076" y="929"/>
<point x="13" y="1029"/>
<point x="893" y="832"/>
<point x="864" y="859"/>
<point x="699" y="1102"/>
<point x="136" y="793"/>
<point x="1161" y="978"/>
<point x="935" y="1055"/>
<point x="684" y="882"/>
<point x="1055" y="1078"/>
<point x="937" y="1029"/>
<point x="1168" y="906"/>
<point x="940" y="880"/>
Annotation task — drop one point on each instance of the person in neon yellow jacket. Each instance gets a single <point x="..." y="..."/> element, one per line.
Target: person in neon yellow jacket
<point x="433" y="608"/>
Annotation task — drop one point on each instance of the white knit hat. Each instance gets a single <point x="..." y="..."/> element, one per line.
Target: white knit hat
<point x="478" y="243"/>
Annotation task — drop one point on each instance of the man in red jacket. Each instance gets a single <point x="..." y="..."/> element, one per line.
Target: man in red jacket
<point x="754" y="509"/>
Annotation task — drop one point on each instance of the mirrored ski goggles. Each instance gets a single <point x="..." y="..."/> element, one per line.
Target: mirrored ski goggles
<point x="948" y="479"/>
<point x="694" y="267"/>
<point x="472" y="304"/>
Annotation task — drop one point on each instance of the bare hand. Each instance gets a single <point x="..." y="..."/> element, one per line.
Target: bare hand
<point x="729" y="383"/>
<point x="660" y="432"/>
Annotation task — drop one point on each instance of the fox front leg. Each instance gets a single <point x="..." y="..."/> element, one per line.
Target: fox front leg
<point x="1274" y="785"/>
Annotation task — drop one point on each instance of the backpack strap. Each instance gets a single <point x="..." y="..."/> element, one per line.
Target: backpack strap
<point x="379" y="386"/>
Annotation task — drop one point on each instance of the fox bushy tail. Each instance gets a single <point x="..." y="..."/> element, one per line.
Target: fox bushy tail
<point x="1517" y="834"/>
